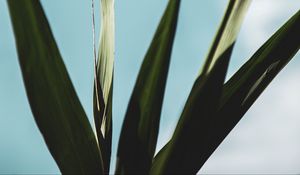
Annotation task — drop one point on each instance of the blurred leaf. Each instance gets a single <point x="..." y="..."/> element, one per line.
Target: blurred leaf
<point x="140" y="128"/>
<point x="186" y="151"/>
<point x="245" y="86"/>
<point x="104" y="77"/>
<point x="52" y="97"/>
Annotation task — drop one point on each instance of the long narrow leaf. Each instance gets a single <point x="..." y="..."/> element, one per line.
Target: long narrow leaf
<point x="140" y="129"/>
<point x="103" y="82"/>
<point x="52" y="97"/>
<point x="250" y="80"/>
<point x="186" y="152"/>
<point x="241" y="91"/>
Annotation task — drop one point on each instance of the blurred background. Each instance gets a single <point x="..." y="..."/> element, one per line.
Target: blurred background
<point x="266" y="140"/>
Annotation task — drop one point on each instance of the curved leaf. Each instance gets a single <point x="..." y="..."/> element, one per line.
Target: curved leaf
<point x="245" y="86"/>
<point x="140" y="128"/>
<point x="186" y="151"/>
<point x="52" y="97"/>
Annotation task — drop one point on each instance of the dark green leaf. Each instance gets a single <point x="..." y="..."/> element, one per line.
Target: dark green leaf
<point x="140" y="129"/>
<point x="241" y="91"/>
<point x="52" y="97"/>
<point x="186" y="151"/>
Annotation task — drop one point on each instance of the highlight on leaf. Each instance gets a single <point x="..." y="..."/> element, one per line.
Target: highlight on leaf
<point x="104" y="80"/>
<point x="211" y="111"/>
<point x="186" y="152"/>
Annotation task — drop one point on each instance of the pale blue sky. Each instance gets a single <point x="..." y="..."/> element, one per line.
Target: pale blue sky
<point x="265" y="141"/>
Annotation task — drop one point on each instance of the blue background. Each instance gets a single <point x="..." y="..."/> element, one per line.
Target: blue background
<point x="265" y="141"/>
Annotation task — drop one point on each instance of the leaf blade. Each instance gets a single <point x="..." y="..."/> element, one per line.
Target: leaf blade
<point x="186" y="154"/>
<point x="245" y="86"/>
<point x="103" y="89"/>
<point x="140" y="127"/>
<point x="52" y="97"/>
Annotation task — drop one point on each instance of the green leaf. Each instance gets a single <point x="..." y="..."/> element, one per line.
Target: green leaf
<point x="245" y="86"/>
<point x="186" y="151"/>
<point x="103" y="84"/>
<point x="52" y="97"/>
<point x="140" y="128"/>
